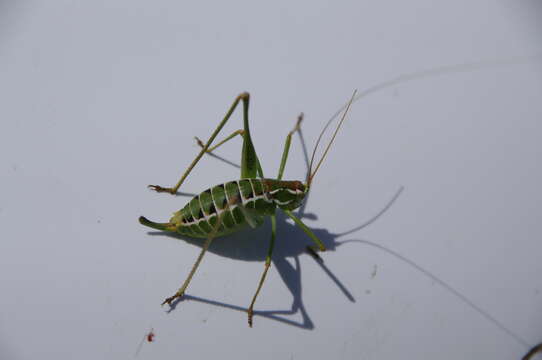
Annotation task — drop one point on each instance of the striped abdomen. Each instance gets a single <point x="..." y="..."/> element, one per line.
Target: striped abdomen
<point x="233" y="202"/>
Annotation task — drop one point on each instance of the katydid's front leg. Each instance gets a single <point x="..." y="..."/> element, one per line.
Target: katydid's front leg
<point x="305" y="228"/>
<point x="249" y="167"/>
<point x="287" y="144"/>
<point x="320" y="245"/>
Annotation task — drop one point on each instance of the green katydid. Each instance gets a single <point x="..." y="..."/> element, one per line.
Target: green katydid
<point x="229" y="207"/>
<point x="234" y="205"/>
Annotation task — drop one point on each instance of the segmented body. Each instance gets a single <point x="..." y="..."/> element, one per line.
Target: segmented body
<point x="233" y="201"/>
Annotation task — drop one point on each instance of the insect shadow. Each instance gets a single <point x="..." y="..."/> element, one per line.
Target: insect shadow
<point x="291" y="243"/>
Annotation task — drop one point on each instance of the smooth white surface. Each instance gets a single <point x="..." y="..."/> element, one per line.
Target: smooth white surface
<point x="101" y="98"/>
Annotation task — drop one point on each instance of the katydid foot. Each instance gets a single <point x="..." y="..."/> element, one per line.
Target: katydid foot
<point x="170" y="299"/>
<point x="250" y="314"/>
<point x="160" y="189"/>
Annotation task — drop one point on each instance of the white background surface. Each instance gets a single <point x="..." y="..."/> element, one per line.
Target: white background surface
<point x="101" y="98"/>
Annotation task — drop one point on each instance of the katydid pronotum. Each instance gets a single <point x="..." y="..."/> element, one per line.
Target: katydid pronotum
<point x="229" y="207"/>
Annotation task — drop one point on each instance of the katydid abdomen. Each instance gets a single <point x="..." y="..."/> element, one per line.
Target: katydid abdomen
<point x="240" y="203"/>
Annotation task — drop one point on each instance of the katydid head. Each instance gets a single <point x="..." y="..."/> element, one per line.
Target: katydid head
<point x="311" y="173"/>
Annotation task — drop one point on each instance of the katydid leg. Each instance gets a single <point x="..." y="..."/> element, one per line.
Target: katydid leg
<point x="249" y="160"/>
<point x="250" y="310"/>
<point x="211" y="149"/>
<point x="181" y="291"/>
<point x="268" y="258"/>
<point x="206" y="245"/>
<point x="286" y="150"/>
<point x="305" y="228"/>
<point x="307" y="231"/>
<point x="250" y="165"/>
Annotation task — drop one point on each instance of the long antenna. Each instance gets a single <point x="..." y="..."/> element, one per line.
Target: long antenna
<point x="311" y="175"/>
<point x="438" y="71"/>
<point x="417" y="75"/>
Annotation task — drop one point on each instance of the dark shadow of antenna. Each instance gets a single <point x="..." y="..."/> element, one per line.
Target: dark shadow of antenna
<point x="442" y="283"/>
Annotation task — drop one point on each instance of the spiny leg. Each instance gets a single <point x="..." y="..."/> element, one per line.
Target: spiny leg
<point x="181" y="291"/>
<point x="307" y="231"/>
<point x="287" y="146"/>
<point x="213" y="148"/>
<point x="206" y="245"/>
<point x="250" y="310"/>
<point x="245" y="98"/>
<point x="311" y="250"/>
<point x="267" y="264"/>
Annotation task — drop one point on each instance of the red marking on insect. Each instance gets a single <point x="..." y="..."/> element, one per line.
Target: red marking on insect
<point x="150" y="336"/>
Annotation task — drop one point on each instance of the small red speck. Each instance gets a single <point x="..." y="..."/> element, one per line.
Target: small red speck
<point x="150" y="336"/>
